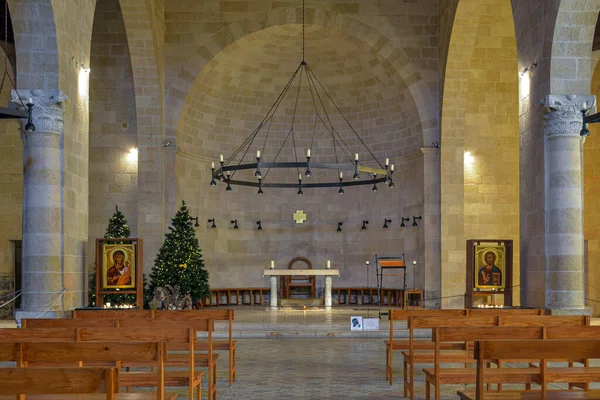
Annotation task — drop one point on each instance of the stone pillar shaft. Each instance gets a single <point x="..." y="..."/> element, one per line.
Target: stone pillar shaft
<point x="273" y="293"/>
<point x="327" y="293"/>
<point x="42" y="203"/>
<point x="564" y="202"/>
<point x="429" y="273"/>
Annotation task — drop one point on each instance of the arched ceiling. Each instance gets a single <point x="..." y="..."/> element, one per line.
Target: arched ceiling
<point x="235" y="90"/>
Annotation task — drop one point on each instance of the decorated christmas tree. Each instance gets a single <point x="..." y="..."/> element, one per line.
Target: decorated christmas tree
<point x="179" y="260"/>
<point x="117" y="228"/>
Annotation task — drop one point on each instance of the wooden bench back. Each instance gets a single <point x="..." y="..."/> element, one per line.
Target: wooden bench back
<point x="448" y="321"/>
<point x="506" y="311"/>
<point x="572" y="332"/>
<point x="544" y="320"/>
<point x="402" y="315"/>
<point x="169" y="335"/>
<point x="52" y="352"/>
<point x="464" y="334"/>
<point x="69" y="323"/>
<point x="38" y="334"/>
<point x="57" y="381"/>
<point x="8" y="351"/>
<point x="218" y="315"/>
<point x="111" y="314"/>
<point x="204" y="325"/>
<point x="537" y="349"/>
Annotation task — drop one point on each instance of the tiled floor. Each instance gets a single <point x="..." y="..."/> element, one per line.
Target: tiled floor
<point x="300" y="365"/>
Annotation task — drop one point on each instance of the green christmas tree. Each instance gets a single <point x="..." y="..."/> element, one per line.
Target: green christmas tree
<point x="117" y="228"/>
<point x="179" y="260"/>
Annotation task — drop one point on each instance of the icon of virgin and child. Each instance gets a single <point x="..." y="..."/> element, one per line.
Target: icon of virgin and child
<point x="119" y="274"/>
<point x="489" y="274"/>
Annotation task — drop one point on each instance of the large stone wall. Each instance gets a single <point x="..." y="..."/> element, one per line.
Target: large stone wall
<point x="591" y="201"/>
<point x="11" y="180"/>
<point x="113" y="125"/>
<point x="534" y="26"/>
<point x="479" y="195"/>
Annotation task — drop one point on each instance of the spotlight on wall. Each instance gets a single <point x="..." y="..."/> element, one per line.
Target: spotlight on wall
<point x="365" y="223"/>
<point x="436" y="144"/>
<point x="403" y="225"/>
<point x="132" y="156"/>
<point x="167" y="143"/>
<point x="213" y="223"/>
<point x="339" y="229"/>
<point x="235" y="225"/>
<point x="195" y="219"/>
<point x="415" y="219"/>
<point x="259" y="223"/>
<point x="385" y="223"/>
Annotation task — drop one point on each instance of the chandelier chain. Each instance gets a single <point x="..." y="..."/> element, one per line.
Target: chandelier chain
<point x="302" y="30"/>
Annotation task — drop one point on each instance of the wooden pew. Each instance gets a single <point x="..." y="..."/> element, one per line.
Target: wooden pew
<point x="189" y="316"/>
<point x="442" y="376"/>
<point x="567" y="349"/>
<point x="55" y="354"/>
<point x="55" y="383"/>
<point x="181" y="343"/>
<point x="191" y="379"/>
<point x="393" y="344"/>
<point x="69" y="323"/>
<point x="475" y="322"/>
<point x="177" y="316"/>
<point x="402" y="315"/>
<point x="555" y="328"/>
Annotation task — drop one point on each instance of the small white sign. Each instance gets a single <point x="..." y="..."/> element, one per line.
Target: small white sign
<point x="371" y="324"/>
<point x="356" y="323"/>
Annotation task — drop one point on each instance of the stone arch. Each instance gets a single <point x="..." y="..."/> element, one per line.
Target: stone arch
<point x="36" y="44"/>
<point x="570" y="63"/>
<point x="145" y="37"/>
<point x="479" y="115"/>
<point x="382" y="47"/>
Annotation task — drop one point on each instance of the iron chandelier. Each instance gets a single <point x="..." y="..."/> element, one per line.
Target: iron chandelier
<point x="243" y="158"/>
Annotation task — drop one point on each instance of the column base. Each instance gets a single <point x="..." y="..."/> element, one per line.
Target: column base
<point x="570" y="311"/>
<point x="19" y="315"/>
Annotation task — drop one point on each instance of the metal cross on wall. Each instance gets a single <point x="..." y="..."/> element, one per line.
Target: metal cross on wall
<point x="299" y="216"/>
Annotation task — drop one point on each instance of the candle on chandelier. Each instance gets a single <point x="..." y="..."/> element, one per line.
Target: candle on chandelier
<point x="341" y="175"/>
<point x="356" y="156"/>
<point x="272" y="264"/>
<point x="213" y="165"/>
<point x="387" y="162"/>
<point x="308" y="153"/>
<point x="221" y="157"/>
<point x="30" y="101"/>
<point x="257" y="153"/>
<point x="392" y="167"/>
<point x="328" y="264"/>
<point x="299" y="177"/>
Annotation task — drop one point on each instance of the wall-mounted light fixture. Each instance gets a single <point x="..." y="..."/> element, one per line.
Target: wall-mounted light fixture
<point x="374" y="188"/>
<point x="403" y="225"/>
<point x="365" y="223"/>
<point x="415" y="219"/>
<point x="385" y="223"/>
<point x="259" y="223"/>
<point x="235" y="225"/>
<point x="213" y="223"/>
<point x="195" y="219"/>
<point x="340" y="223"/>
<point x="529" y="68"/>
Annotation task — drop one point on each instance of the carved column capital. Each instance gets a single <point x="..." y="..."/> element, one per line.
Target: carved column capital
<point x="48" y="108"/>
<point x="563" y="115"/>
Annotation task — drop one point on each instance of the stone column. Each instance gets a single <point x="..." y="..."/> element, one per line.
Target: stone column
<point x="42" y="204"/>
<point x="273" y="293"/>
<point x="564" y="203"/>
<point x="327" y="293"/>
<point x="429" y="273"/>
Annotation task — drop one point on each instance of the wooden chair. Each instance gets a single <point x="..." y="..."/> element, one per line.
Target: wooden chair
<point x="306" y="284"/>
